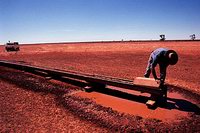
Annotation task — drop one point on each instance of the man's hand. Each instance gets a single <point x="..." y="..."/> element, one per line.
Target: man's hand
<point x="158" y="80"/>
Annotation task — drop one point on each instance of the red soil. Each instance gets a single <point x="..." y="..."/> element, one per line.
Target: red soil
<point x="124" y="60"/>
<point x="30" y="104"/>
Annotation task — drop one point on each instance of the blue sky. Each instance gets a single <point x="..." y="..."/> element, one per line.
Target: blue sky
<point x="33" y="21"/>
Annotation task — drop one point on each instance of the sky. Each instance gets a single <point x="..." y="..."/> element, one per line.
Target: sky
<point x="35" y="21"/>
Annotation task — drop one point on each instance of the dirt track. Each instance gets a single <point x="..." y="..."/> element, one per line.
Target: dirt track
<point x="55" y="109"/>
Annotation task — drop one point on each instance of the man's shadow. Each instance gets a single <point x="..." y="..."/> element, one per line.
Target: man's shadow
<point x="182" y="105"/>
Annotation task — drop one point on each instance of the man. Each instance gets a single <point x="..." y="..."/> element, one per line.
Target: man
<point x="164" y="58"/>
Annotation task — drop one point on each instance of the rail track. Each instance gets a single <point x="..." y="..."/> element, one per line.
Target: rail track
<point x="91" y="80"/>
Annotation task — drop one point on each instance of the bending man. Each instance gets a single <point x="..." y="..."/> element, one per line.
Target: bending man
<point x="164" y="58"/>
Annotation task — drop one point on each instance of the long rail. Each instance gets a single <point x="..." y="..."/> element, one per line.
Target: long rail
<point x="88" y="78"/>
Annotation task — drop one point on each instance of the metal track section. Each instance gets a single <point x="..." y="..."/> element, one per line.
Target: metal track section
<point x="88" y="78"/>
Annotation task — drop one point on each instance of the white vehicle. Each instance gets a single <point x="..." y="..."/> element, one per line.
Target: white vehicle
<point x="12" y="46"/>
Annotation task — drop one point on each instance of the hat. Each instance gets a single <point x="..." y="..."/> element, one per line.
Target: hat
<point x="172" y="57"/>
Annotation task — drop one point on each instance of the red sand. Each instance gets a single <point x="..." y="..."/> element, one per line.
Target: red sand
<point x="125" y="60"/>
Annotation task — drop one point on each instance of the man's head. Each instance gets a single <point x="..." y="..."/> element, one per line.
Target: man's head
<point x="172" y="57"/>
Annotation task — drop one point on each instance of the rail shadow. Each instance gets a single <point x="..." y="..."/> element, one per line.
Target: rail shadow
<point x="172" y="103"/>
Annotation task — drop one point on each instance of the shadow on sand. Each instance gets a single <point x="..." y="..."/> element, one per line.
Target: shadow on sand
<point x="172" y="103"/>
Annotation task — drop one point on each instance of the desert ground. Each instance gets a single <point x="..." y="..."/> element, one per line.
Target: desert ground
<point x="34" y="104"/>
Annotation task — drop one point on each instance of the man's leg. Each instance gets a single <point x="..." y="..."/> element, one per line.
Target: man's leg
<point x="148" y="69"/>
<point x="163" y="69"/>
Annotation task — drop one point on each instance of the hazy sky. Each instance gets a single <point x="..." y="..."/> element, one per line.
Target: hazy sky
<point x="30" y="21"/>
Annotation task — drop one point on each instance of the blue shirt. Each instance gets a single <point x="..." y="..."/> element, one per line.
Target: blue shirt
<point x="158" y="57"/>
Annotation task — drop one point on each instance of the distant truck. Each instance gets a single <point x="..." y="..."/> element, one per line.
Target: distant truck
<point x="12" y="46"/>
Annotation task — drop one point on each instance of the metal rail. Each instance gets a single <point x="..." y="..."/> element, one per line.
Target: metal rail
<point x="89" y="78"/>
